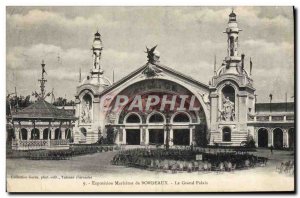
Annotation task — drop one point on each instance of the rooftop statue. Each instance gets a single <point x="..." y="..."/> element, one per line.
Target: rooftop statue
<point x="153" y="57"/>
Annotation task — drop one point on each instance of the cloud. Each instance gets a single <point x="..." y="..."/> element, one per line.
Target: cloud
<point x="38" y="17"/>
<point x="187" y="37"/>
<point x="264" y="46"/>
<point x="248" y="15"/>
<point x="63" y="65"/>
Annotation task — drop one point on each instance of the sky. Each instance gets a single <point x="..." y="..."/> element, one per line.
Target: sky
<point x="188" y="38"/>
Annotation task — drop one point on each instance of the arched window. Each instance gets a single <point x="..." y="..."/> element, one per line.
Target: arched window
<point x="57" y="134"/>
<point x="181" y="117"/>
<point x="35" y="134"/>
<point x="68" y="133"/>
<point x="231" y="41"/>
<point x="133" y="118"/>
<point x="46" y="134"/>
<point x="262" y="137"/>
<point x="156" y="118"/>
<point x="228" y="92"/>
<point x="24" y="134"/>
<point x="226" y="134"/>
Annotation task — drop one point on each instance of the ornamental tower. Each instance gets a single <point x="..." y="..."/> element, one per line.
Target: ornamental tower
<point x="233" y="60"/>
<point x="87" y="128"/>
<point x="231" y="93"/>
<point x="97" y="51"/>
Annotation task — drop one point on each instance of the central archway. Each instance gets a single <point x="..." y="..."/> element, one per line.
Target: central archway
<point x="153" y="130"/>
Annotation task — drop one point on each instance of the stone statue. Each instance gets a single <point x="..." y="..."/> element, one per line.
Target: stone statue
<point x="227" y="113"/>
<point x="86" y="113"/>
<point x="153" y="57"/>
<point x="152" y="54"/>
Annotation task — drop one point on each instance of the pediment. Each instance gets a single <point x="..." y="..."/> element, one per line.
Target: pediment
<point x="156" y="71"/>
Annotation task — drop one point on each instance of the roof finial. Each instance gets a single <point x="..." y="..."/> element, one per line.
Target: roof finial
<point x="215" y="65"/>
<point x="152" y="54"/>
<point x="42" y="81"/>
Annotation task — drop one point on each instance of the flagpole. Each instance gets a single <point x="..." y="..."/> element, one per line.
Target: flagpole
<point x="285" y="101"/>
<point x="250" y="66"/>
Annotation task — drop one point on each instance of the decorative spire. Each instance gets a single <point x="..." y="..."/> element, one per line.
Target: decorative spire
<point x="97" y="51"/>
<point x="80" y="75"/>
<point x="42" y="95"/>
<point x="250" y="66"/>
<point x="43" y="80"/>
<point x="232" y="16"/>
<point x="215" y="65"/>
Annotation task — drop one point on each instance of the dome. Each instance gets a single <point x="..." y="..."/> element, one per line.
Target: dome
<point x="232" y="14"/>
<point x="102" y="81"/>
<point x="97" y="34"/>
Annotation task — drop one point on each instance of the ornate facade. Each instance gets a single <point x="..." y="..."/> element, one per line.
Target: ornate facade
<point x="224" y="113"/>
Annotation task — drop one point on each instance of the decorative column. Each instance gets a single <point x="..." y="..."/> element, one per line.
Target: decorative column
<point x="165" y="136"/>
<point x="28" y="134"/>
<point x="143" y="135"/>
<point x="52" y="133"/>
<point x="285" y="138"/>
<point x="120" y="135"/>
<point x="41" y="133"/>
<point x="171" y="136"/>
<point x="17" y="133"/>
<point x="124" y="135"/>
<point x="146" y="136"/>
<point x="256" y="136"/>
<point x="192" y="135"/>
<point x="63" y="133"/>
<point x="214" y="111"/>
<point x="270" y="137"/>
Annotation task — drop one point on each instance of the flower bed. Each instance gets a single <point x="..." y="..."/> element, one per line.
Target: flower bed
<point x="185" y="160"/>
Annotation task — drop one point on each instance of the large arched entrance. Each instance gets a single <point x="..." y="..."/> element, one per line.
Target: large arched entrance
<point x="291" y="140"/>
<point x="156" y="131"/>
<point x="181" y="130"/>
<point x="278" y="138"/>
<point x="262" y="139"/>
<point x="133" y="132"/>
<point x="157" y="112"/>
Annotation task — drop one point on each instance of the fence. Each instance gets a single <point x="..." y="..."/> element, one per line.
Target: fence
<point x="37" y="144"/>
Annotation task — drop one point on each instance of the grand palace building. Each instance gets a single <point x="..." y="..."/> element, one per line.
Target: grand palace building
<point x="152" y="105"/>
<point x="157" y="105"/>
